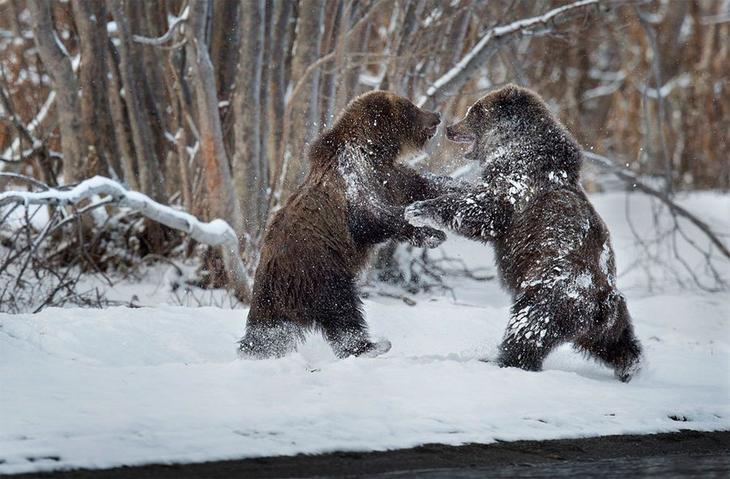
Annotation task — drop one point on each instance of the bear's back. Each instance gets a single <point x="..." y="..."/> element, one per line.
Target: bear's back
<point x="306" y="246"/>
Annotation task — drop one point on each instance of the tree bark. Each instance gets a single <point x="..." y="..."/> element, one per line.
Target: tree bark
<point x="148" y="163"/>
<point x="356" y="41"/>
<point x="277" y="79"/>
<point x="222" y="201"/>
<point x="120" y="121"/>
<point x="58" y="66"/>
<point x="304" y="119"/>
<point x="224" y="43"/>
<point x="331" y="43"/>
<point x="149" y="19"/>
<point x="90" y="20"/>
<point x="264" y="101"/>
<point x="250" y="169"/>
<point x="395" y="79"/>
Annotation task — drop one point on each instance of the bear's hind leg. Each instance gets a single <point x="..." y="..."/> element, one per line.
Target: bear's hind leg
<point x="274" y="340"/>
<point x="348" y="336"/>
<point x="340" y="318"/>
<point x="538" y="323"/>
<point x="614" y="343"/>
<point x="623" y="353"/>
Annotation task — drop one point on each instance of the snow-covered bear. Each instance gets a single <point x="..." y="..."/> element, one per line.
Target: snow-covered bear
<point x="315" y="246"/>
<point x="553" y="251"/>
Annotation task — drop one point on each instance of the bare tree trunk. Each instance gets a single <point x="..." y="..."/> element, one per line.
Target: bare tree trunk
<point x="394" y="77"/>
<point x="222" y="201"/>
<point x="120" y="121"/>
<point x="224" y="43"/>
<point x="249" y="167"/>
<point x="148" y="163"/>
<point x="151" y="21"/>
<point x="175" y="79"/>
<point x="90" y="19"/>
<point x="455" y="42"/>
<point x="13" y="17"/>
<point x="264" y="101"/>
<point x="279" y="40"/>
<point x="331" y="43"/>
<point x="303" y="123"/>
<point x="339" y="81"/>
<point x="58" y="66"/>
<point x="356" y="42"/>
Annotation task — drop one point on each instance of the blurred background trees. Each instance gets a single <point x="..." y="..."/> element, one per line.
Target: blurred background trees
<point x="209" y="105"/>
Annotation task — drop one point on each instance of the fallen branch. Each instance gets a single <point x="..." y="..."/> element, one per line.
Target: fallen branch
<point x="214" y="233"/>
<point x="633" y="179"/>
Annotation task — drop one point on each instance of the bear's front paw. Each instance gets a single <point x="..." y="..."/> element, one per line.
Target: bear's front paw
<point x="418" y="215"/>
<point x="429" y="237"/>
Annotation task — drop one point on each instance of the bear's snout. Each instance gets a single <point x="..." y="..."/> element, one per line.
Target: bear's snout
<point x="458" y="133"/>
<point x="431" y="122"/>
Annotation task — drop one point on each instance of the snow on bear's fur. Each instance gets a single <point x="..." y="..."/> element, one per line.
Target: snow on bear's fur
<point x="553" y="251"/>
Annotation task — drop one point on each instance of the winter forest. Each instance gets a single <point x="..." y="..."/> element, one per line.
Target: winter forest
<point x="146" y="145"/>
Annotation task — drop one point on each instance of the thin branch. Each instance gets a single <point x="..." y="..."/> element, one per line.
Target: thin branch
<point x="633" y="179"/>
<point x="42" y="114"/>
<point x="361" y="23"/>
<point x="169" y="34"/>
<point x="489" y="44"/>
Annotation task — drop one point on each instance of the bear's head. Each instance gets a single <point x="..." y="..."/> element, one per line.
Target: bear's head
<point x="386" y="124"/>
<point x="511" y="117"/>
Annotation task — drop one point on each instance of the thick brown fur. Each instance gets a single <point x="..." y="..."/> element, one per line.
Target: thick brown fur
<point x="315" y="246"/>
<point x="553" y="251"/>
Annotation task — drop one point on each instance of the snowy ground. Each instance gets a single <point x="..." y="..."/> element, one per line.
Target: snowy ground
<point x="98" y="388"/>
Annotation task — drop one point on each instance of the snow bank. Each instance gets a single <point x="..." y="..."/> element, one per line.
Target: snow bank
<point x="99" y="388"/>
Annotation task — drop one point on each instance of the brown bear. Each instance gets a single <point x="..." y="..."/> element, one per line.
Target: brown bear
<point x="352" y="199"/>
<point x="553" y="251"/>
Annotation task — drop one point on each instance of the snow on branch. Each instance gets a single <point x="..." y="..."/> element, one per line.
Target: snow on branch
<point x="215" y="233"/>
<point x="488" y="45"/>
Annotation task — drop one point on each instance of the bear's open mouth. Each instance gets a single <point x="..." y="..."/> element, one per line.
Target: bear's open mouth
<point x="459" y="137"/>
<point x="431" y="131"/>
<point x="462" y="138"/>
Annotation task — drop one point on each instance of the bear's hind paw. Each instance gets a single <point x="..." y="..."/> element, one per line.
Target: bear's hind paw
<point x="375" y="349"/>
<point x="628" y="372"/>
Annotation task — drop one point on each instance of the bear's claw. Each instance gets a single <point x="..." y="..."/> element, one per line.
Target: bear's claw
<point x="417" y="216"/>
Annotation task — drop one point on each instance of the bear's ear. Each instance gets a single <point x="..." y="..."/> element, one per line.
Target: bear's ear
<point x="510" y="89"/>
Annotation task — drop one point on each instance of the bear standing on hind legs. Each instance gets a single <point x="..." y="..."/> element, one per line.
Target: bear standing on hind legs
<point x="352" y="199"/>
<point x="553" y="251"/>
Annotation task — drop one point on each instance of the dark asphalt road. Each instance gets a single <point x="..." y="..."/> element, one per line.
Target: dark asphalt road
<point x="674" y="455"/>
